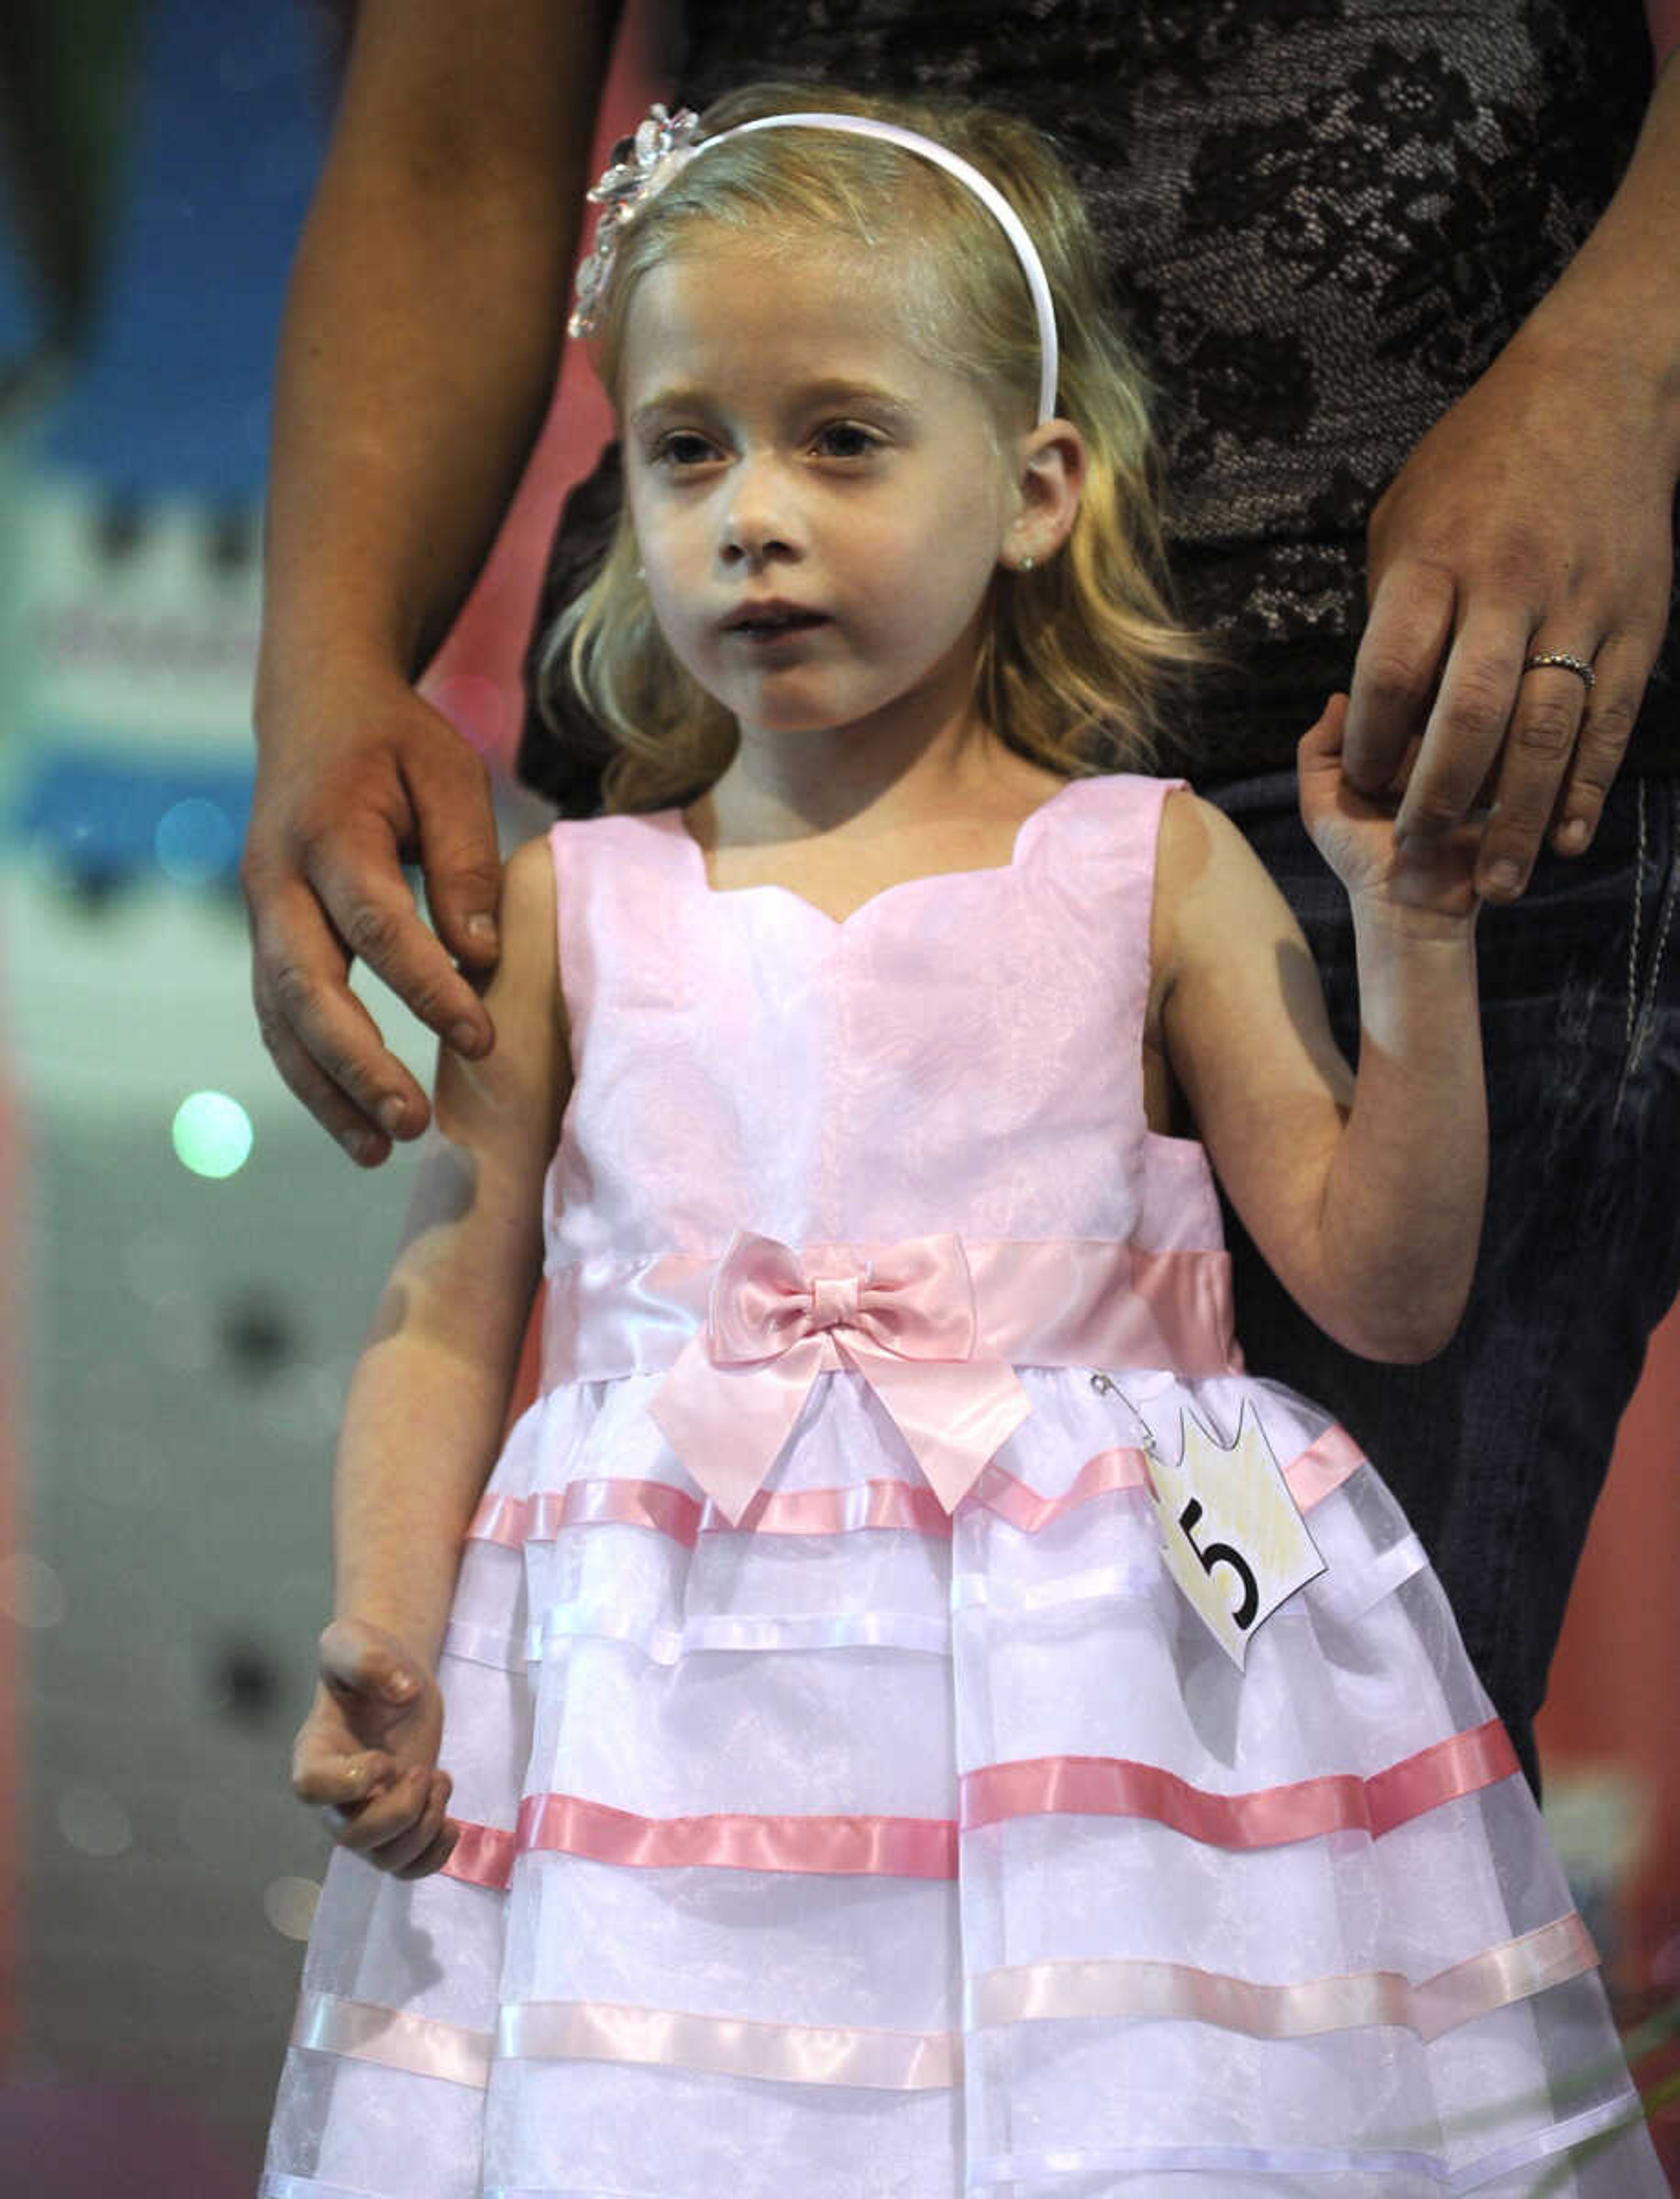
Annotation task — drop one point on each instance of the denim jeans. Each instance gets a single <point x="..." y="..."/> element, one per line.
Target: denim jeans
<point x="1498" y="1447"/>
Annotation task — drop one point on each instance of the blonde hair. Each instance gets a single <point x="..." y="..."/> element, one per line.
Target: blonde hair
<point x="1076" y="656"/>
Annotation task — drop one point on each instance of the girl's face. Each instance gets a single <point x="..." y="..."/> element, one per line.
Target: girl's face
<point x="818" y="509"/>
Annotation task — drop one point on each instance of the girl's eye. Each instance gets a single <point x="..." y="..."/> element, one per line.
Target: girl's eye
<point x="844" y="439"/>
<point x="681" y="448"/>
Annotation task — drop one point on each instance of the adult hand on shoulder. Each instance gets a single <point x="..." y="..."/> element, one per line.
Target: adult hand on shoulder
<point x="367" y="1752"/>
<point x="1534" y="518"/>
<point x="364" y="776"/>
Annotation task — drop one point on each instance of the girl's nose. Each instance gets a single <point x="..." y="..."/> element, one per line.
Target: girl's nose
<point x="759" y="520"/>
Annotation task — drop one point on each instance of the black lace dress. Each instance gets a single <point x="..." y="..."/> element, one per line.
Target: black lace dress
<point x="1324" y="218"/>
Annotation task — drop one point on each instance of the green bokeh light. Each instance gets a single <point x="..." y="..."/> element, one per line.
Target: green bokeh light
<point x="211" y="1134"/>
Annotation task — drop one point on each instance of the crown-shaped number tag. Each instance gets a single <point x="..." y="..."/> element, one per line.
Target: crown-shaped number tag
<point x="1233" y="1540"/>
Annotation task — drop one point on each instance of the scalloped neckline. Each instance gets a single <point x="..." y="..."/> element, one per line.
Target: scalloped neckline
<point x="674" y="816"/>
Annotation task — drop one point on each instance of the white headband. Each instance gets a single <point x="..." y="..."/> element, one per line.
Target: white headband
<point x="666" y="144"/>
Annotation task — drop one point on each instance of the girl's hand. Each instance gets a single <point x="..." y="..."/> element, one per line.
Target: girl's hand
<point x="1354" y="832"/>
<point x="367" y="1752"/>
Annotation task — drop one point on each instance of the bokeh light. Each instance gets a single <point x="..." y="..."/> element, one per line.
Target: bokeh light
<point x="93" y="1821"/>
<point x="30" y="1592"/>
<point x="289" y="1905"/>
<point x="213" y="1134"/>
<point x="194" y="841"/>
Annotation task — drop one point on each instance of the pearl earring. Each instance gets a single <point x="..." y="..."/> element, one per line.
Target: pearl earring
<point x="1024" y="564"/>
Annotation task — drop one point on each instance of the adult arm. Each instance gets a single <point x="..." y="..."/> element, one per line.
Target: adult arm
<point x="427" y="1402"/>
<point x="422" y="325"/>
<point x="1664" y="18"/>
<point x="1537" y="516"/>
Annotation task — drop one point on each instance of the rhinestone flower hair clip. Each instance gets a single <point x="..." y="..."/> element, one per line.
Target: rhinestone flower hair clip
<point x="663" y="145"/>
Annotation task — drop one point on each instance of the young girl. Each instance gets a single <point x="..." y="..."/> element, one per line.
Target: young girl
<point x="919" y="1717"/>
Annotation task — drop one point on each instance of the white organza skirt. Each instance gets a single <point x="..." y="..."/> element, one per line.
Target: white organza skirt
<point x="858" y="1853"/>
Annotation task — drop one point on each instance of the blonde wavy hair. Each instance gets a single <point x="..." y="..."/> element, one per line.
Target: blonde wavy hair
<point x="1080" y="654"/>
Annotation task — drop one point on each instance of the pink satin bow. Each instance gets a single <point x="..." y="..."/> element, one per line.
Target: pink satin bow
<point x="905" y="1320"/>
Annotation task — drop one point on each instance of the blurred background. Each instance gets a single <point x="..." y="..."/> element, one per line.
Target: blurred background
<point x="188" y="1263"/>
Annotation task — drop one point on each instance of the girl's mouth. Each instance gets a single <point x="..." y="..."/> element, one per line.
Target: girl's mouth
<point x="772" y="621"/>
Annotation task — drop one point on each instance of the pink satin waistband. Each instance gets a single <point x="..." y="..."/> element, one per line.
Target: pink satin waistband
<point x="935" y="1325"/>
<point x="1051" y="1302"/>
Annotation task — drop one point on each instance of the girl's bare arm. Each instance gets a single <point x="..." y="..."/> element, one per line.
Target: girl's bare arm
<point x="1364" y="1195"/>
<point x="427" y="1402"/>
<point x="430" y="1392"/>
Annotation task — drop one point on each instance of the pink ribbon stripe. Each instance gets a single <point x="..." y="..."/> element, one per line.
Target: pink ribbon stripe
<point x="1046" y="1786"/>
<point x="1268" y="1816"/>
<point x="362" y="2031"/>
<point x="1517" y="1969"/>
<point x="483" y="1855"/>
<point x="862" y="1506"/>
<point x="891" y="1847"/>
<point x="908" y="2061"/>
<point x="566" y="1824"/>
<point x="1323" y="1466"/>
<point x="1458" y="1765"/>
<point x="734" y="2046"/>
<point x="512" y="1521"/>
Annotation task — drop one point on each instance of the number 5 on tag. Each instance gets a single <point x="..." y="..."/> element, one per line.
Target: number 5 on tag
<point x="1233" y="1538"/>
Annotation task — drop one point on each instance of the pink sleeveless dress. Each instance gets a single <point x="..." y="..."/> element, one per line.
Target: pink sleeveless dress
<point x="854" y="1807"/>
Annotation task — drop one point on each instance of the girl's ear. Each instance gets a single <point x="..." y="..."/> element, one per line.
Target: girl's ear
<point x="1052" y="473"/>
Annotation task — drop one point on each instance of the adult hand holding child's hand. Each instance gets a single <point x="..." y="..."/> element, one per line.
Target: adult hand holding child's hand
<point x="368" y="1750"/>
<point x="1355" y="833"/>
<point x="1534" y="519"/>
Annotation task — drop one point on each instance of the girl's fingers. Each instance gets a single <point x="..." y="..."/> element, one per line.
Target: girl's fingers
<point x="1318" y="763"/>
<point x="435" y="1856"/>
<point x="1324" y="736"/>
<point x="411" y="1847"/>
<point x="321" y="1775"/>
<point x="385" y="1817"/>
<point x="357" y="1659"/>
